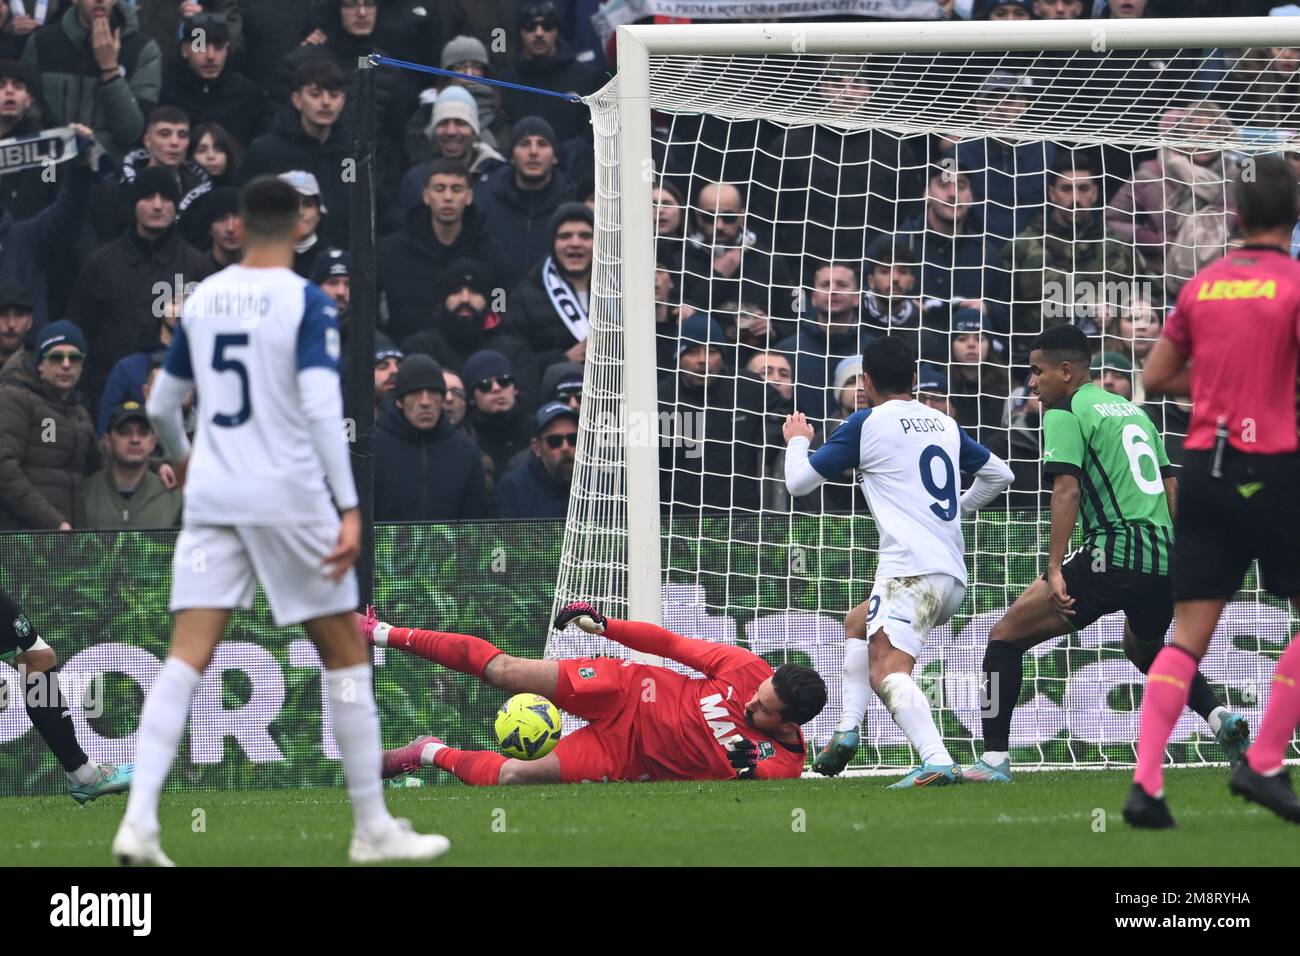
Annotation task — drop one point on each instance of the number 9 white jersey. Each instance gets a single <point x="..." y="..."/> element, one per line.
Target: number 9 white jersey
<point x="243" y="337"/>
<point x="908" y="457"/>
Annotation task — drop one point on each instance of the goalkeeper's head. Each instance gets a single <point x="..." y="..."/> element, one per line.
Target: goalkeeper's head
<point x="786" y="701"/>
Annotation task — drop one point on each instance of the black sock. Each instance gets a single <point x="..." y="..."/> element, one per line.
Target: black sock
<point x="1004" y="669"/>
<point x="1200" y="697"/>
<point x="48" y="712"/>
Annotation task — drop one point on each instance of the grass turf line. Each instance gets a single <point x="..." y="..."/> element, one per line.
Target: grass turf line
<point x="1041" y="819"/>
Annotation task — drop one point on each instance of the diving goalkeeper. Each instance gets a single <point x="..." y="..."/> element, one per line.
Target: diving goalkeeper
<point x="741" y="720"/>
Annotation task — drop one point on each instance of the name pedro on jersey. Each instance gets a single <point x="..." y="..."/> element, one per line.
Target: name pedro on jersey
<point x="922" y="425"/>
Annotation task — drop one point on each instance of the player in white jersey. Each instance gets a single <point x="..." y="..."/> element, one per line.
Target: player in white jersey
<point x="269" y="496"/>
<point x="907" y="456"/>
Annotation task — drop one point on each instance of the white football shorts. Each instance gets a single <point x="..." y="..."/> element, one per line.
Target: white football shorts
<point x="219" y="567"/>
<point x="909" y="608"/>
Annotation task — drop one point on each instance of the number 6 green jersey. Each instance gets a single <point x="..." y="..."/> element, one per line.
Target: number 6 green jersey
<point x="1113" y="448"/>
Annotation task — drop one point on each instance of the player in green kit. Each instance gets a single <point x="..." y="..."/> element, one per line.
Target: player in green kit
<point x="1108" y="467"/>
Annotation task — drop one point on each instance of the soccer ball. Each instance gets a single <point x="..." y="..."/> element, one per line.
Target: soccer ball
<point x="528" y="727"/>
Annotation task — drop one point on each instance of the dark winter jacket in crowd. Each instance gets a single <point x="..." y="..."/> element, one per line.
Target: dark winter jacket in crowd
<point x="763" y="279"/>
<point x="531" y="491"/>
<point x="412" y="261"/>
<point x="116" y="294"/>
<point x="126" y="382"/>
<point x="531" y="316"/>
<point x="426" y="475"/>
<point x="396" y="95"/>
<point x="47" y="448"/>
<point x="483" y="160"/>
<point x="520" y="219"/>
<point x="26" y="192"/>
<point x="114" y="207"/>
<point x="801" y="185"/>
<point x="560" y="72"/>
<point x="501" y="434"/>
<point x="65" y="81"/>
<point x="813" y="357"/>
<point x="271" y="29"/>
<point x="32" y="251"/>
<point x="232" y="99"/>
<point x="161" y="19"/>
<point x="450" y="344"/>
<point x="707" y="433"/>
<point x="287" y="146"/>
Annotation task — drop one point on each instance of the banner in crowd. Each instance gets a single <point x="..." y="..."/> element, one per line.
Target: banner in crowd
<point x="778" y="585"/>
<point x="617" y="13"/>
<point x="38" y="150"/>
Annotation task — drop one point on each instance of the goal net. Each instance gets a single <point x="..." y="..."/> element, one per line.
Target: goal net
<point x="771" y="198"/>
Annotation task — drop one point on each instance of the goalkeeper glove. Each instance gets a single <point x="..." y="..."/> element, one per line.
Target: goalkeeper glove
<point x="743" y="756"/>
<point x="584" y="615"/>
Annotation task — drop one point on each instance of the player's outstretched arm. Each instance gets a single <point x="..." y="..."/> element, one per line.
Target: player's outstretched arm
<point x="990" y="475"/>
<point x="166" y="415"/>
<point x="842" y="452"/>
<point x="1167" y="371"/>
<point x="708" y="657"/>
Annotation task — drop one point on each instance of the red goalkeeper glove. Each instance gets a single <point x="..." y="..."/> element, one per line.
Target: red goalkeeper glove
<point x="579" y="609"/>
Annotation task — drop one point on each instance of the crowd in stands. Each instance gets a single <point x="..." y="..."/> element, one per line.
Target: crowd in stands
<point x="780" y="251"/>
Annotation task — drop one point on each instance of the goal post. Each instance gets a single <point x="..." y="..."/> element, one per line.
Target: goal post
<point x="738" y="105"/>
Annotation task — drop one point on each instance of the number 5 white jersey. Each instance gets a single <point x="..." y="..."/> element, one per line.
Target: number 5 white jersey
<point x="243" y="337"/>
<point x="908" y="456"/>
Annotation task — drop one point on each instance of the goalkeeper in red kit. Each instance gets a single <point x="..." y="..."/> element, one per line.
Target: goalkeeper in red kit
<point x="740" y="720"/>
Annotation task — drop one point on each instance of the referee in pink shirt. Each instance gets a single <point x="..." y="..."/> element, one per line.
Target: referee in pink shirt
<point x="1232" y="343"/>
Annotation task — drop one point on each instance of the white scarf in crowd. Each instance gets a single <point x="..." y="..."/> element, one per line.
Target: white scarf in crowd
<point x="565" y="301"/>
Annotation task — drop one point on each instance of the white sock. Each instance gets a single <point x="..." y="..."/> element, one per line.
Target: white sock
<point x="911" y="711"/>
<point x="381" y="634"/>
<point x="161" y="721"/>
<point x="356" y="729"/>
<point x="995" y="757"/>
<point x="1215" y="720"/>
<point x="429" y="751"/>
<point x="85" y="773"/>
<point x="856" y="692"/>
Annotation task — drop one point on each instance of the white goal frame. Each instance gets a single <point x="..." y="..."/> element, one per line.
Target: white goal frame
<point x="637" y="44"/>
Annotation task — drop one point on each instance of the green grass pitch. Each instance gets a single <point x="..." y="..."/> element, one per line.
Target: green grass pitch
<point x="1041" y="819"/>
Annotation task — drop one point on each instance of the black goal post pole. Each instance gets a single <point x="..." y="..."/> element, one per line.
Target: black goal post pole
<point x="359" y="389"/>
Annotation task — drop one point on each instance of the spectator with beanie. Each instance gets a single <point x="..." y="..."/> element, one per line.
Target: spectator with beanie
<point x="550" y="308"/>
<point x="543" y="59"/>
<point x="978" y="384"/>
<point x="425" y="469"/>
<point x="307" y="134"/>
<point x="388" y="359"/>
<point x="518" y="200"/>
<point x="454" y="130"/>
<point x="463" y="323"/>
<point x="500" y="424"/>
<point x="115" y="297"/>
<point x="47" y="444"/>
<point x="446" y="226"/>
<point x="216" y="220"/>
<point x="540" y="488"/>
<point x="125" y="493"/>
<point x="95" y="66"/>
<point x="562" y="382"/>
<point x="15" y="319"/>
<point x="201" y="83"/>
<point x="166" y="143"/>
